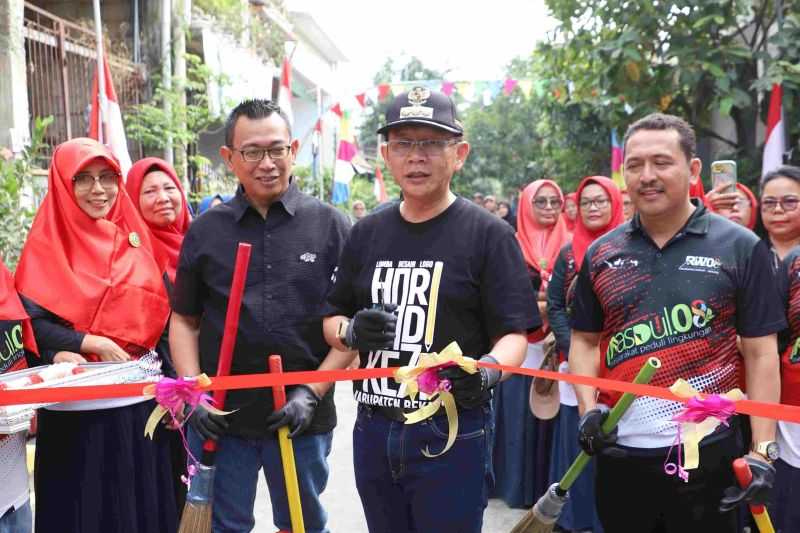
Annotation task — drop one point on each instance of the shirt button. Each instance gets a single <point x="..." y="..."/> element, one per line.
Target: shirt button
<point x="269" y="267"/>
<point x="269" y="297"/>
<point x="658" y="254"/>
<point x="269" y="235"/>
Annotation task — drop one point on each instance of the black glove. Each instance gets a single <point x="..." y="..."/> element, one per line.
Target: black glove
<point x="757" y="492"/>
<point x="372" y="329"/>
<point x="297" y="413"/>
<point x="591" y="437"/>
<point x="471" y="390"/>
<point x="207" y="424"/>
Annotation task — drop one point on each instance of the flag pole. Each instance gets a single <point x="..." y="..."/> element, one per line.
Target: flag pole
<point x="101" y="82"/>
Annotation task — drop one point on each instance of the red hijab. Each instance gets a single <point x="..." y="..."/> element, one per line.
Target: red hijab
<point x="540" y="244"/>
<point x="166" y="240"/>
<point x="11" y="309"/>
<point x="696" y="190"/>
<point x="751" y="224"/>
<point x="583" y="236"/>
<point x="98" y="274"/>
<point x="568" y="221"/>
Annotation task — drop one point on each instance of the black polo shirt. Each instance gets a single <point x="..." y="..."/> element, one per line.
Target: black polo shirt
<point x="684" y="303"/>
<point x="295" y="251"/>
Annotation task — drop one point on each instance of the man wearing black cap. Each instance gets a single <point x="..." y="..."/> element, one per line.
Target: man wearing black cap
<point x="412" y="278"/>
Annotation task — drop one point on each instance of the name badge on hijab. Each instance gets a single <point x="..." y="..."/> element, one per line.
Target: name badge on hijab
<point x="134" y="239"/>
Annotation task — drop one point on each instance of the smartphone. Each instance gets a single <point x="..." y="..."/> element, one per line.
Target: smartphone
<point x="724" y="172"/>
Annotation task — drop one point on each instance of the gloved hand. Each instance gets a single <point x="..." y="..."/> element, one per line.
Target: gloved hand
<point x="372" y="329"/>
<point x="207" y="424"/>
<point x="471" y="390"/>
<point x="591" y="437"/>
<point x="297" y="413"/>
<point x="757" y="492"/>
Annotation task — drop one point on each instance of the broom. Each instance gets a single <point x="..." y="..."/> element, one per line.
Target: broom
<point x="544" y="514"/>
<point x="287" y="453"/>
<point x="744" y="476"/>
<point x="196" y="516"/>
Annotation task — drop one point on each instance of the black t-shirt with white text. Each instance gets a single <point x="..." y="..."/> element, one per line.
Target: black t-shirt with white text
<point x="457" y="277"/>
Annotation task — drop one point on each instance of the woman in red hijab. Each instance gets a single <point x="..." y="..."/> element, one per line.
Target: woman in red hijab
<point x="601" y="210"/>
<point x="744" y="210"/>
<point x="17" y="335"/>
<point x="91" y="283"/>
<point x="155" y="189"/>
<point x="522" y="446"/>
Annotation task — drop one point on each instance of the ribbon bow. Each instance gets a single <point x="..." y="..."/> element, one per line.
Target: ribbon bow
<point x="424" y="377"/>
<point x="172" y="395"/>
<point x="701" y="416"/>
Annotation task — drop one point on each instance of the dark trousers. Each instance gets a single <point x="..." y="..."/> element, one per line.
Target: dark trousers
<point x="403" y="491"/>
<point x="635" y="495"/>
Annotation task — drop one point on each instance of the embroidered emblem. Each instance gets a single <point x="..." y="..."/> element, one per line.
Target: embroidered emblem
<point x="308" y="257"/>
<point x="416" y="97"/>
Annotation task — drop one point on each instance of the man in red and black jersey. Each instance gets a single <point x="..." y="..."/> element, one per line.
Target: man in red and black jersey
<point x="679" y="283"/>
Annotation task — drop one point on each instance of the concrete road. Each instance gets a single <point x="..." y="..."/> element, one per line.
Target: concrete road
<point x="341" y="498"/>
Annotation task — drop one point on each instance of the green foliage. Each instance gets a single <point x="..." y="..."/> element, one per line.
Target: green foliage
<point x="152" y="125"/>
<point x="687" y="58"/>
<point x="265" y="38"/>
<point x="19" y="190"/>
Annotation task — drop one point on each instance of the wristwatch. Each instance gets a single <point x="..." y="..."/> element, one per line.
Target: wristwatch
<point x="768" y="449"/>
<point x="341" y="332"/>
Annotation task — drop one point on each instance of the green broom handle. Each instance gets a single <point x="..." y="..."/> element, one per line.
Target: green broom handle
<point x="644" y="376"/>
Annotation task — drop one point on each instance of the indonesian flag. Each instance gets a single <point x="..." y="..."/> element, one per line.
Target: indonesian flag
<point x="379" y="188"/>
<point x="775" y="141"/>
<point x="343" y="170"/>
<point x="113" y="130"/>
<point x="285" y="90"/>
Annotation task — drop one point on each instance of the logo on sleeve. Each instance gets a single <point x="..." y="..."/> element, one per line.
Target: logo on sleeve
<point x="700" y="263"/>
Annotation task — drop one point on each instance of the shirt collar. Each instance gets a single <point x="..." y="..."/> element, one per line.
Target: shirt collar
<point x="289" y="200"/>
<point x="697" y="223"/>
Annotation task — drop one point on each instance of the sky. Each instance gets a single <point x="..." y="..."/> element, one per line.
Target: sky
<point x="467" y="39"/>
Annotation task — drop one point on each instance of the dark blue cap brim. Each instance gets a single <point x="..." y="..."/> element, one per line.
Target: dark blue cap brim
<point x="421" y="122"/>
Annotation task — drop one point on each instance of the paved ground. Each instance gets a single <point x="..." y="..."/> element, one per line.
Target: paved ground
<point x="341" y="499"/>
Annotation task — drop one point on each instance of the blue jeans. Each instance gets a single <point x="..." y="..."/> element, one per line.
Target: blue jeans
<point x="20" y="521"/>
<point x="238" y="461"/>
<point x="402" y="491"/>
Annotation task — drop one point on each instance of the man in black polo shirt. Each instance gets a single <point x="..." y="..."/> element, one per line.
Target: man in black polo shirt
<point x="453" y="272"/>
<point x="296" y="241"/>
<point x="679" y="283"/>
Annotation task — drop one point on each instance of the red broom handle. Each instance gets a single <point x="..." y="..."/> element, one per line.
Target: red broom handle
<point x="278" y="391"/>
<point x="231" y="327"/>
<point x="744" y="476"/>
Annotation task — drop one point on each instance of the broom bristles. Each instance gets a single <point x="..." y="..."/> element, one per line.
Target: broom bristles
<point x="531" y="523"/>
<point x="196" y="518"/>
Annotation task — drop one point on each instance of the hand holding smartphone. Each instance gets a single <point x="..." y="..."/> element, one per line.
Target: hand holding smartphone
<point x="722" y="172"/>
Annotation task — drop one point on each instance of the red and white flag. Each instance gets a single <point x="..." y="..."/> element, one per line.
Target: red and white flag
<point x="775" y="139"/>
<point x="113" y="131"/>
<point x="379" y="188"/>
<point x="285" y="90"/>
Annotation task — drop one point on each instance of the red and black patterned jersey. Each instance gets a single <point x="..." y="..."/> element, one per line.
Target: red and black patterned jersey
<point x="684" y="303"/>
<point x="790" y="352"/>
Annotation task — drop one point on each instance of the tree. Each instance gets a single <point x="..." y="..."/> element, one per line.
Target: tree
<point x="698" y="60"/>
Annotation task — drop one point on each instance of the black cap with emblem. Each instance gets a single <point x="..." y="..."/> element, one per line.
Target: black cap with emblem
<point x="425" y="107"/>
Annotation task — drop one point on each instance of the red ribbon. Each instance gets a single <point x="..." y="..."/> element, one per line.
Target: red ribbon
<point x="788" y="413"/>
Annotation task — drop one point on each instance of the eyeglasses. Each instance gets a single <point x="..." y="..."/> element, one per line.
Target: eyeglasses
<point x="429" y="147"/>
<point x="542" y="203"/>
<point x="85" y="182"/>
<point x="787" y="203"/>
<point x="254" y="155"/>
<point x="599" y="203"/>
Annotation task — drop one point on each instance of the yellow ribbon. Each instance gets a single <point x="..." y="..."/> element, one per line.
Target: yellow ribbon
<point x="408" y="375"/>
<point x="691" y="432"/>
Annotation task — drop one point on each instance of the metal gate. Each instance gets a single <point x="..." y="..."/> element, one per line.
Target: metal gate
<point x="61" y="58"/>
